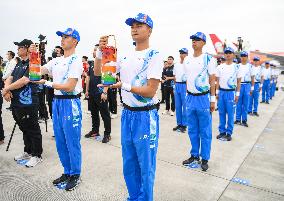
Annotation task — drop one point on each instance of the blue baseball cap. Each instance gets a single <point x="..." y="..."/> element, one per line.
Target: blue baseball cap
<point x="244" y="53"/>
<point x="267" y="62"/>
<point x="229" y="49"/>
<point x="143" y="18"/>
<point x="183" y="50"/>
<point x="235" y="60"/>
<point x="199" y="35"/>
<point x="256" y="58"/>
<point x="70" y="32"/>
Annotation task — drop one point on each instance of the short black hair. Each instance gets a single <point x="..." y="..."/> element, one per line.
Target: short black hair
<point x="97" y="45"/>
<point x="85" y="57"/>
<point x="12" y="53"/>
<point x="1" y="58"/>
<point x="61" y="49"/>
<point x="171" y="57"/>
<point x="165" y="61"/>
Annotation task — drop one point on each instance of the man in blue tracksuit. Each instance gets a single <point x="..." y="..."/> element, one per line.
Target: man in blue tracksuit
<point x="228" y="79"/>
<point x="180" y="92"/>
<point x="266" y="73"/>
<point x="258" y="79"/>
<point x="66" y="109"/>
<point x="247" y="87"/>
<point x="140" y="74"/>
<point x="200" y="69"/>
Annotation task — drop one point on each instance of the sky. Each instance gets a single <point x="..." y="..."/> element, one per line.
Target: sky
<point x="258" y="21"/>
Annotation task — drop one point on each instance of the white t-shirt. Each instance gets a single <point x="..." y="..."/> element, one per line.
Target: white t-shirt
<point x="246" y="72"/>
<point x="10" y="65"/>
<point x="137" y="68"/>
<point x="197" y="72"/>
<point x="228" y="75"/>
<point x="63" y="68"/>
<point x="257" y="73"/>
<point x="266" y="73"/>
<point x="179" y="72"/>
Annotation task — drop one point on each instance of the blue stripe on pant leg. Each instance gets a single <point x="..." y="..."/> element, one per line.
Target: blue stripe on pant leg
<point x="178" y="103"/>
<point x="230" y="108"/>
<point x="222" y="112"/>
<point x="72" y="125"/>
<point x="256" y="97"/>
<point x="183" y="97"/>
<point x="205" y="132"/>
<point x="240" y="103"/>
<point x="131" y="168"/>
<point x="57" y="119"/>
<point x="246" y="97"/>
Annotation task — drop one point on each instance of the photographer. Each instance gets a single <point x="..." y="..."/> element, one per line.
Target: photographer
<point x="23" y="95"/>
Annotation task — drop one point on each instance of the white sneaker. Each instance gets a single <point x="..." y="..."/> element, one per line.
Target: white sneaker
<point x="166" y="112"/>
<point x="113" y="116"/>
<point x="33" y="161"/>
<point x="172" y="113"/>
<point x="88" y="112"/>
<point x="22" y="156"/>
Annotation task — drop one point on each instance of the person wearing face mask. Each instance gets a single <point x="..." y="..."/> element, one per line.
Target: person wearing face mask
<point x="66" y="72"/>
<point x="140" y="74"/>
<point x="227" y="92"/>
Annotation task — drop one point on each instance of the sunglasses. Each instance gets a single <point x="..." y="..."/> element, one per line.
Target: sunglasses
<point x="196" y="39"/>
<point x="243" y="55"/>
<point x="228" y="52"/>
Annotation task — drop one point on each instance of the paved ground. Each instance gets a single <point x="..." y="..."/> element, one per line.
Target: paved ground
<point x="254" y="160"/>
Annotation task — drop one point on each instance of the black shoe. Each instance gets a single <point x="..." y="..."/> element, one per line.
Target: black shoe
<point x="162" y="102"/>
<point x="176" y="128"/>
<point x="267" y="102"/>
<point x="221" y="135"/>
<point x="255" y="114"/>
<point x="92" y="134"/>
<point x="204" y="165"/>
<point x="237" y="122"/>
<point x="106" y="139"/>
<point x="190" y="160"/>
<point x="262" y="102"/>
<point x="228" y="137"/>
<point x="73" y="182"/>
<point x="245" y="124"/>
<point x="63" y="178"/>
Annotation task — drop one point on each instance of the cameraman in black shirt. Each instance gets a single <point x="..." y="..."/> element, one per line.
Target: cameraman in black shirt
<point x="23" y="95"/>
<point x="168" y="79"/>
<point x="97" y="100"/>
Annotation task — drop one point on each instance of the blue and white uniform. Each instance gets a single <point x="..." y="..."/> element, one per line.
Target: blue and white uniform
<point x="180" y="94"/>
<point x="254" y="98"/>
<point x="199" y="119"/>
<point x="67" y="113"/>
<point x="243" y="102"/>
<point x="228" y="75"/>
<point x="139" y="129"/>
<point x="266" y="73"/>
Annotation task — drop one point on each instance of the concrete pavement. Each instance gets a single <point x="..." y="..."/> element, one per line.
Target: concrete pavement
<point x="254" y="159"/>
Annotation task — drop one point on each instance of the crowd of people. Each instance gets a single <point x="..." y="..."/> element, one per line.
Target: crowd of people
<point x="191" y="88"/>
